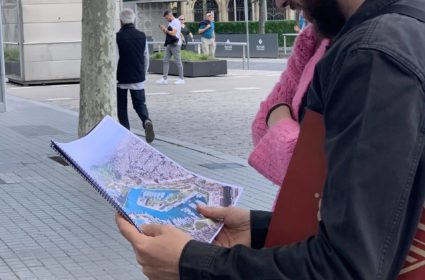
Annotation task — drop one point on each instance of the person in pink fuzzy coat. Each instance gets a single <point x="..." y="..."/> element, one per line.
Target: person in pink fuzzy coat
<point x="276" y="127"/>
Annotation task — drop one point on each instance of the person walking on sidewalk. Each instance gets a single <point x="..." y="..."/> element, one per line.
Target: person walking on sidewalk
<point x="207" y="31"/>
<point x="133" y="64"/>
<point x="173" y="44"/>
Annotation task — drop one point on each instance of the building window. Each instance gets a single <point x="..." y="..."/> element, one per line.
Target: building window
<point x="273" y="12"/>
<point x="211" y="7"/>
<point x="239" y="13"/>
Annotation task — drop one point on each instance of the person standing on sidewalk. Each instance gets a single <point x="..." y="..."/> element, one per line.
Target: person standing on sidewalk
<point x="173" y="44"/>
<point x="207" y="31"/>
<point x="133" y="64"/>
<point x="185" y="33"/>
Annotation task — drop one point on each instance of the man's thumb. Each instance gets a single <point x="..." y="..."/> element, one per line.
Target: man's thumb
<point x="152" y="230"/>
<point x="216" y="213"/>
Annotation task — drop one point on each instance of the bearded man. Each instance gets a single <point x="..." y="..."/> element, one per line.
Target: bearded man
<point x="369" y="88"/>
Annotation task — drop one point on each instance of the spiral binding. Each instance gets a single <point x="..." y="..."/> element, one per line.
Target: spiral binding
<point x="91" y="180"/>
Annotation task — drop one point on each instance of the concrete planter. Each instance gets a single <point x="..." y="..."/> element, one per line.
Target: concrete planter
<point x="192" y="69"/>
<point x="12" y="68"/>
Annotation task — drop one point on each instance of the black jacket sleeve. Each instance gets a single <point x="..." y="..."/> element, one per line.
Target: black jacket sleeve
<point x="374" y="113"/>
<point x="260" y="221"/>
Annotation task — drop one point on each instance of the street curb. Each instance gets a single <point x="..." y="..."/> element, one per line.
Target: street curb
<point x="196" y="148"/>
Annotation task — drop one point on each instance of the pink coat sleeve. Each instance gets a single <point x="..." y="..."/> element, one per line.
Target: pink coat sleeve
<point x="285" y="88"/>
<point x="272" y="154"/>
<point x="274" y="146"/>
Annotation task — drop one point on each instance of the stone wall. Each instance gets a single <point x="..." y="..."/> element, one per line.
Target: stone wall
<point x="149" y="16"/>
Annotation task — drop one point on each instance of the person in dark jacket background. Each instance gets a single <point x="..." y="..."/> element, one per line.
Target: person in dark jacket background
<point x="186" y="34"/>
<point x="133" y="64"/>
<point x="369" y="87"/>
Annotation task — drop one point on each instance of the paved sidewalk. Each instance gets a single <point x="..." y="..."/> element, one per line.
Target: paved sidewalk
<point x="53" y="224"/>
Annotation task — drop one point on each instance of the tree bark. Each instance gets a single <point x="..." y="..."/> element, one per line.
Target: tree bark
<point x="98" y="64"/>
<point x="262" y="16"/>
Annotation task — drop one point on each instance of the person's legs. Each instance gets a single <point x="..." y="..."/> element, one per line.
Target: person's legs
<point x="139" y="104"/>
<point x="122" y="107"/>
<point x="166" y="62"/>
<point x="205" y="48"/>
<point x="209" y="47"/>
<point x="212" y="48"/>
<point x="176" y="52"/>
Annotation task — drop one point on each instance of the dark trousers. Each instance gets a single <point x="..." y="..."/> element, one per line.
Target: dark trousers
<point x="138" y="98"/>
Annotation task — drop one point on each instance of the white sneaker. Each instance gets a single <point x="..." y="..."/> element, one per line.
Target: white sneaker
<point x="179" y="82"/>
<point x="162" y="81"/>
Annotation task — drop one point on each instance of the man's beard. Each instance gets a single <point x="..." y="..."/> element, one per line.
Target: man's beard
<point x="326" y="16"/>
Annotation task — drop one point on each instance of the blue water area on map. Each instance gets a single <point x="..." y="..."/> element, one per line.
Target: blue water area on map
<point x="178" y="211"/>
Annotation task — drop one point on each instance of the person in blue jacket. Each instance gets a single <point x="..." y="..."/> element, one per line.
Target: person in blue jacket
<point x="207" y="31"/>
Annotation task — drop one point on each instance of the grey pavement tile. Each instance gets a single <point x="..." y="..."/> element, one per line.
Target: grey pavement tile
<point x="5" y="268"/>
<point x="25" y="274"/>
<point x="224" y="165"/>
<point x="62" y="274"/>
<point x="47" y="277"/>
<point x="36" y="130"/>
<point x="34" y="263"/>
<point x="105" y="278"/>
<point x="9" y="270"/>
<point x="15" y="264"/>
<point x="41" y="272"/>
<point x="8" y="276"/>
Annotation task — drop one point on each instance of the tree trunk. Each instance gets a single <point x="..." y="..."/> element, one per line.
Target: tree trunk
<point x="98" y="64"/>
<point x="262" y="16"/>
<point x="204" y="8"/>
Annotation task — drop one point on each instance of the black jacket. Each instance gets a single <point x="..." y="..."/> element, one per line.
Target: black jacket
<point x="170" y="39"/>
<point x="185" y="33"/>
<point x="131" y="46"/>
<point x="370" y="89"/>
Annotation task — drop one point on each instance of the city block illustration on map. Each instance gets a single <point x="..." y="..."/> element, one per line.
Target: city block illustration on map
<point x="146" y="185"/>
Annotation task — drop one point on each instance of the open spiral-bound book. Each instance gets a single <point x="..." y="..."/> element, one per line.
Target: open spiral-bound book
<point x="143" y="184"/>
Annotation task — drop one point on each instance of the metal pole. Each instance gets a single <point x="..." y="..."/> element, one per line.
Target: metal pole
<point x="284" y="43"/>
<point x="235" y="14"/>
<point x="2" y="72"/>
<point x="247" y="30"/>
<point x="243" y="57"/>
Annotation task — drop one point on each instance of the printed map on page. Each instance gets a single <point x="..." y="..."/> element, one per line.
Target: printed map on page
<point x="147" y="185"/>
